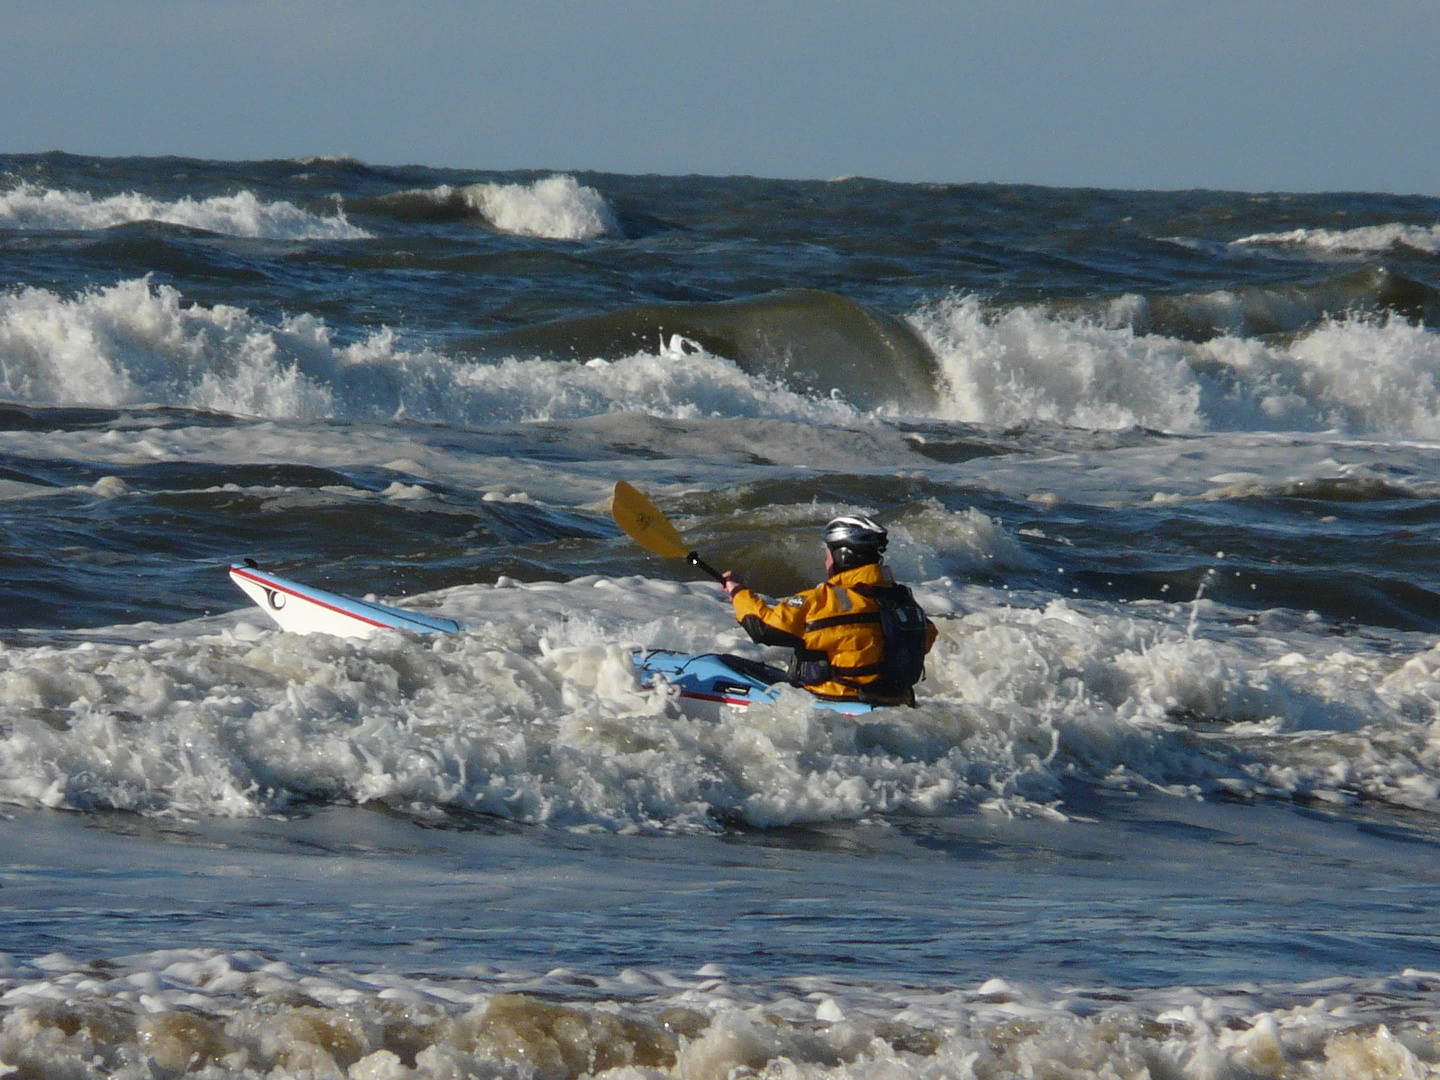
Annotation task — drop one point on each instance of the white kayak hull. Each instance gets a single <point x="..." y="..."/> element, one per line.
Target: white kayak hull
<point x="300" y="609"/>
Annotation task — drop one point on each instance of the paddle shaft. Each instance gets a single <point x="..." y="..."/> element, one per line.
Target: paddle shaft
<point x="696" y="561"/>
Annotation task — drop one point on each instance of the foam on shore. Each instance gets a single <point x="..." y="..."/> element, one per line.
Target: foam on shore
<point x="219" y="1014"/>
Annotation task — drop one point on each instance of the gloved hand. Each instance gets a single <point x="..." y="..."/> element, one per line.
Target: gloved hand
<point x="731" y="583"/>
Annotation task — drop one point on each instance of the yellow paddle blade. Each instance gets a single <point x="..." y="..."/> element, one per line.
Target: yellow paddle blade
<point x="644" y="524"/>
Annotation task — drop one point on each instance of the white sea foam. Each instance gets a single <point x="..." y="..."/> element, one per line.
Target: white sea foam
<point x="1361" y="374"/>
<point x="137" y="343"/>
<point x="1024" y="364"/>
<point x="1365" y="239"/>
<point x="133" y="344"/>
<point x="536" y="714"/>
<point x="29" y="207"/>
<point x="930" y="541"/>
<point x="243" y="1014"/>
<point x="554" y="208"/>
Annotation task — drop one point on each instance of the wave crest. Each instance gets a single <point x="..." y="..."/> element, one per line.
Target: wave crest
<point x="555" y="208"/>
<point x="1361" y="373"/>
<point x="136" y="343"/>
<point x="1251" y="311"/>
<point x="242" y="214"/>
<point x="814" y="342"/>
<point x="1366" y="238"/>
<point x="1025" y="365"/>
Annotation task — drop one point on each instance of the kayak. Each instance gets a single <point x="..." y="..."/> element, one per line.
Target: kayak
<point x="301" y="609"/>
<point x="707" y="682"/>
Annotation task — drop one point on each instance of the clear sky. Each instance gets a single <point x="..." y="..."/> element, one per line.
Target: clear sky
<point x="1260" y="95"/>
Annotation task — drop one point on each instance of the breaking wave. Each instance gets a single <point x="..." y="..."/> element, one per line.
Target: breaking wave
<point x="556" y="208"/>
<point x="30" y="207"/>
<point x="536" y="714"/>
<point x="815" y="342"/>
<point x="1253" y="311"/>
<point x="1024" y="365"/>
<point x="1367" y="238"/>
<point x="1361" y="373"/>
<point x="138" y="343"/>
<point x="552" y="208"/>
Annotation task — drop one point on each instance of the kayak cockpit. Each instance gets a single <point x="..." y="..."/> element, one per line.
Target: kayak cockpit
<point x="709" y="682"/>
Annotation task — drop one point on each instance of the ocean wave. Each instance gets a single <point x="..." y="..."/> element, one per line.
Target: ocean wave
<point x="138" y="343"/>
<point x="536" y="714"/>
<point x="814" y="342"/>
<point x="1025" y="364"/>
<point x="1366" y="238"/>
<point x="555" y="208"/>
<point x="244" y="1014"/>
<point x="1256" y="311"/>
<point x="552" y="208"/>
<point x="29" y="207"/>
<point x="348" y="161"/>
<point x="1361" y="373"/>
<point x="929" y="541"/>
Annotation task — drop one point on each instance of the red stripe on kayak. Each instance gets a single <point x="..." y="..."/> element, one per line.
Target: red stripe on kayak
<point x="714" y="697"/>
<point x="268" y="584"/>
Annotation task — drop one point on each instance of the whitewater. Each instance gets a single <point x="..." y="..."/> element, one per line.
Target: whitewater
<point x="1161" y="467"/>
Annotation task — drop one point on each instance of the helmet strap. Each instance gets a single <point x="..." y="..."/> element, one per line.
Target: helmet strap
<point x="843" y="558"/>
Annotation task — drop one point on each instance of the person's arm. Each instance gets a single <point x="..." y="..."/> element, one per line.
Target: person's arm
<point x="783" y="624"/>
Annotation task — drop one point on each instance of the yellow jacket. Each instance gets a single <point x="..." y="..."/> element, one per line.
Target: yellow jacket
<point x="820" y="621"/>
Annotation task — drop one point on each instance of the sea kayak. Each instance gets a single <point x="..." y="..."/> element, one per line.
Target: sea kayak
<point x="707" y="682"/>
<point x="301" y="609"/>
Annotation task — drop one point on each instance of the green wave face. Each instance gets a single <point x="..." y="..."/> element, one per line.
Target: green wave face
<point x="809" y="340"/>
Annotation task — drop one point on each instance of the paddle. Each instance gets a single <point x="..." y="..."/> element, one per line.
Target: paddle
<point x="647" y="527"/>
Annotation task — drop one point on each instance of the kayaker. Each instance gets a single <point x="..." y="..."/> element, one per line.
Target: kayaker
<point x="857" y="634"/>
